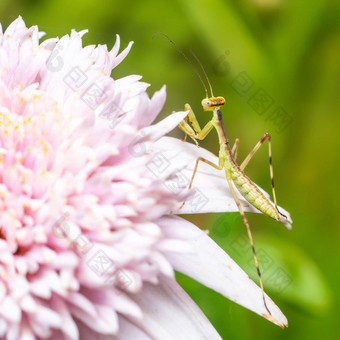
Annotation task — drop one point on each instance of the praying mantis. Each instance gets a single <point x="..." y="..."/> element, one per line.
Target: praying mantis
<point x="234" y="173"/>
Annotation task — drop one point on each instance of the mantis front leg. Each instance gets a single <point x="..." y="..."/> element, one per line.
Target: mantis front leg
<point x="194" y="131"/>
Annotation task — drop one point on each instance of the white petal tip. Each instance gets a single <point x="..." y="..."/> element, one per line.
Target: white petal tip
<point x="288" y="225"/>
<point x="287" y="222"/>
<point x="281" y="323"/>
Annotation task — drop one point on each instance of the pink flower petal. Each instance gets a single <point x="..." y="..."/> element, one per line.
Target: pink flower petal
<point x="156" y="104"/>
<point x="169" y="313"/>
<point x="160" y="129"/>
<point x="128" y="330"/>
<point x="120" y="57"/>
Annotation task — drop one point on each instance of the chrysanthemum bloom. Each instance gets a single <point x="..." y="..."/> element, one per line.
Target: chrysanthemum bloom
<point x="88" y="241"/>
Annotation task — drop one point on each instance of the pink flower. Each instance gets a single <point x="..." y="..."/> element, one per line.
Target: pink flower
<point x="88" y="244"/>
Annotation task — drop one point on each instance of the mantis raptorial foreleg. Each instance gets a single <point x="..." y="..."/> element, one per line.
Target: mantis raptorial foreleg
<point x="194" y="131"/>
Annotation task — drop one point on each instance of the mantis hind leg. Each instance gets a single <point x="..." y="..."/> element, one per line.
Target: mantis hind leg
<point x="266" y="136"/>
<point x="235" y="148"/>
<point x="245" y="222"/>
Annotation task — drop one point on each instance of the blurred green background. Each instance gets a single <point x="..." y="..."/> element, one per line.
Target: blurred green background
<point x="258" y="53"/>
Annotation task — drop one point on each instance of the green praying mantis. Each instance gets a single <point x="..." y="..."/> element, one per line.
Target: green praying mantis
<point x="234" y="173"/>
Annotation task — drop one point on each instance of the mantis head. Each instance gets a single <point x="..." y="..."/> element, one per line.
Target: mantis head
<point x="209" y="104"/>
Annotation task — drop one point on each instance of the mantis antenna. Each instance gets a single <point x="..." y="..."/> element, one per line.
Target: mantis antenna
<point x="188" y="60"/>
<point x="205" y="73"/>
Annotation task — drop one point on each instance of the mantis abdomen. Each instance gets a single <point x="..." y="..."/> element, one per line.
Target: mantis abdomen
<point x="251" y="192"/>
